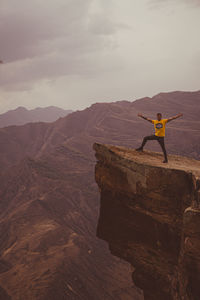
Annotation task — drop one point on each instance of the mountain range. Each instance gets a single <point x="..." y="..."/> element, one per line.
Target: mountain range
<point x="22" y="115"/>
<point x="49" y="201"/>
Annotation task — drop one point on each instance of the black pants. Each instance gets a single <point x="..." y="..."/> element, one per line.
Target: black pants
<point x="157" y="138"/>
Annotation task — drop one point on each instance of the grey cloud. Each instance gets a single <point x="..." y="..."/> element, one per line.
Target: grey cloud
<point x="157" y="3"/>
<point x="22" y="74"/>
<point x="26" y="29"/>
<point x="101" y="24"/>
<point x="44" y="42"/>
<point x="77" y="51"/>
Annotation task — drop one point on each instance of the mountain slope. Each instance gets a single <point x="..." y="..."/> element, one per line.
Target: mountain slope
<point x="49" y="200"/>
<point x="48" y="226"/>
<point x="115" y="122"/>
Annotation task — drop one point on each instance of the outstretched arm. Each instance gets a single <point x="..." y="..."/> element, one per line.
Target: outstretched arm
<point x="145" y="118"/>
<point x="175" y="117"/>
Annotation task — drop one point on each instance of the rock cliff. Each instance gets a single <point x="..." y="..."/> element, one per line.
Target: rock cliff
<point x="49" y="202"/>
<point x="150" y="217"/>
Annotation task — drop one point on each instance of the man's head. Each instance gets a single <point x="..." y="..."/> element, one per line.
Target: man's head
<point x="159" y="116"/>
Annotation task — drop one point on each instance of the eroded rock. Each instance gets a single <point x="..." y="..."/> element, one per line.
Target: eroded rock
<point x="150" y="216"/>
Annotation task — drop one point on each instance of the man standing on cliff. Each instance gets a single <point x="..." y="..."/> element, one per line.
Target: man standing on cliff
<point x="159" y="126"/>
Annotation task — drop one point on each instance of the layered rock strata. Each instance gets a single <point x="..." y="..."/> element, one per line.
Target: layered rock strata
<point x="150" y="217"/>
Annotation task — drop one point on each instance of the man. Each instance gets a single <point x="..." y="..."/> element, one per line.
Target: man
<point x="159" y="126"/>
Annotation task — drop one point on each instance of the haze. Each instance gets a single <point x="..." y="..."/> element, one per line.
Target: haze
<point x="72" y="53"/>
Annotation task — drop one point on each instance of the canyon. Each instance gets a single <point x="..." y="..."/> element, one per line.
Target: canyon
<point x="49" y="200"/>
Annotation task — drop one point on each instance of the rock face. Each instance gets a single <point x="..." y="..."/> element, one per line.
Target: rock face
<point x="150" y="217"/>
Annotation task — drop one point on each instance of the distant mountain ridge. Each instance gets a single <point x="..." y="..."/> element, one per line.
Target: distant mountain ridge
<point x="22" y="115"/>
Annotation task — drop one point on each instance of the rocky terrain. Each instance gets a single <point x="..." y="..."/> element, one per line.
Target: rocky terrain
<point x="150" y="217"/>
<point x="50" y="202"/>
<point x="21" y="115"/>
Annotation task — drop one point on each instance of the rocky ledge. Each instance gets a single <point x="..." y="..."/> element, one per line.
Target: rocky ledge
<point x="150" y="217"/>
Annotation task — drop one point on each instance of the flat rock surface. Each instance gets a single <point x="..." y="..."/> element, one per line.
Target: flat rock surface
<point x="155" y="159"/>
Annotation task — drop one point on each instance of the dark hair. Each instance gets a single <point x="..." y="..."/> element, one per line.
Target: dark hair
<point x="159" y="114"/>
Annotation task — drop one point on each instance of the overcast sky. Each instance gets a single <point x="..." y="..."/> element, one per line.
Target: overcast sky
<point x="72" y="53"/>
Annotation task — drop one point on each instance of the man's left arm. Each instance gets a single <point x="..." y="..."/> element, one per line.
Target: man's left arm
<point x="175" y="117"/>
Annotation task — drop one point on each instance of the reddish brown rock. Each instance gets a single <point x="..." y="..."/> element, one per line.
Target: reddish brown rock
<point x="49" y="201"/>
<point x="149" y="216"/>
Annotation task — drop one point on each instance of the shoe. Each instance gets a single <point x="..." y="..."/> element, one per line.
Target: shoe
<point x="165" y="161"/>
<point x="139" y="149"/>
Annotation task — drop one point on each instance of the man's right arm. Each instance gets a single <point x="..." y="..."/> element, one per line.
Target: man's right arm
<point x="145" y="118"/>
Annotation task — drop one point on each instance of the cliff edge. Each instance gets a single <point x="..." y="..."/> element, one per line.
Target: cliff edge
<point x="150" y="217"/>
